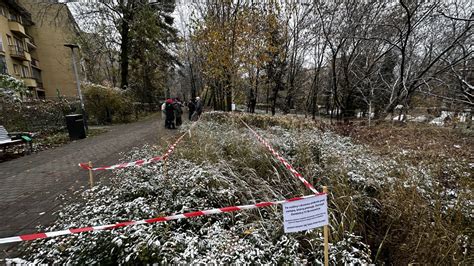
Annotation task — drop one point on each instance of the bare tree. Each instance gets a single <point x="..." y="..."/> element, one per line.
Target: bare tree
<point x="416" y="67"/>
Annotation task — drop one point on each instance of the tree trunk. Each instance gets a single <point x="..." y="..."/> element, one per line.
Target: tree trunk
<point x="228" y="96"/>
<point x="370" y="112"/>
<point x="124" y="45"/>
<point x="275" y="96"/>
<point x="314" y="95"/>
<point x="253" y="102"/>
<point x="193" y="82"/>
<point x="274" y="99"/>
<point x="268" y="100"/>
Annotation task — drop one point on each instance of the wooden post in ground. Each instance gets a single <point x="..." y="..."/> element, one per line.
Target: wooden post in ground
<point x="91" y="176"/>
<point x="326" y="237"/>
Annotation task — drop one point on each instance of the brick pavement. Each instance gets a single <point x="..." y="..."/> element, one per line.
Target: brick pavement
<point x="30" y="185"/>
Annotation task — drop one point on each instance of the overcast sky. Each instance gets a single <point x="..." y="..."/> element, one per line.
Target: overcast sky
<point x="181" y="13"/>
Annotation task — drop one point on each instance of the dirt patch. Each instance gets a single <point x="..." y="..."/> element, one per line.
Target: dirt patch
<point x="422" y="140"/>
<point x="447" y="151"/>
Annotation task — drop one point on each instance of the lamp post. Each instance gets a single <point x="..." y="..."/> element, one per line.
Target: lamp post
<point x="78" y="83"/>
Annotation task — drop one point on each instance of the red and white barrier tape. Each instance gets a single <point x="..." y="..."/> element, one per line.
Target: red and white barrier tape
<point x="138" y="162"/>
<point x="281" y="159"/>
<point x="147" y="221"/>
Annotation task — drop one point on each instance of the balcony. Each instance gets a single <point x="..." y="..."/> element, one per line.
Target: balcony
<point x="17" y="52"/>
<point x="3" y="69"/>
<point x="30" y="82"/>
<point x="17" y="28"/>
<point x="27" y="56"/>
<point x="35" y="63"/>
<point x="39" y="84"/>
<point x="31" y="43"/>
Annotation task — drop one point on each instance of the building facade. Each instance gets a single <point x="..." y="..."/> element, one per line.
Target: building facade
<point x="16" y="45"/>
<point x="32" y="38"/>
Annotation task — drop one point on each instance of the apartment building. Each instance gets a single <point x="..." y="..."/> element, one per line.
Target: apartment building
<point x="15" y="56"/>
<point x="32" y="38"/>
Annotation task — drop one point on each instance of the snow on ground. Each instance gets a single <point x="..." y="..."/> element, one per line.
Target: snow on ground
<point x="252" y="236"/>
<point x="216" y="178"/>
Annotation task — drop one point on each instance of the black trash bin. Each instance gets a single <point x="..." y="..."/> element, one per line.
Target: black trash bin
<point x="75" y="126"/>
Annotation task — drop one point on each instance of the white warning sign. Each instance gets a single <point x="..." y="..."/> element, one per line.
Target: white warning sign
<point x="305" y="214"/>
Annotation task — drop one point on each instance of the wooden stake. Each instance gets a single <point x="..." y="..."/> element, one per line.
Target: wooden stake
<point x="91" y="177"/>
<point x="326" y="237"/>
<point x="190" y="133"/>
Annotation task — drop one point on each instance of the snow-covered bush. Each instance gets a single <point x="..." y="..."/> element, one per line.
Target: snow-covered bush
<point x="372" y="191"/>
<point x="11" y="89"/>
<point x="137" y="193"/>
<point x="38" y="115"/>
<point x="32" y="115"/>
<point x="106" y="104"/>
<point x="381" y="209"/>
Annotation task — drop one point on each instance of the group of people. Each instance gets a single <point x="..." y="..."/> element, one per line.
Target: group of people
<point x="173" y="110"/>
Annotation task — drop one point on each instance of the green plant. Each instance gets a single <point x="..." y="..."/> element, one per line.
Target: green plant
<point x="11" y="89"/>
<point x="385" y="210"/>
<point x="107" y="104"/>
<point x="36" y="115"/>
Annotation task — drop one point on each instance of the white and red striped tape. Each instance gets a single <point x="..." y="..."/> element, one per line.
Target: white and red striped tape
<point x="177" y="216"/>
<point x="148" y="221"/>
<point x="138" y="162"/>
<point x="281" y="159"/>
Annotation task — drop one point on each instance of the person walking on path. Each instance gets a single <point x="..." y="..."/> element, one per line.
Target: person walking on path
<point x="169" y="112"/>
<point x="198" y="110"/>
<point x="163" y="106"/>
<point x="191" y="108"/>
<point x="178" y="111"/>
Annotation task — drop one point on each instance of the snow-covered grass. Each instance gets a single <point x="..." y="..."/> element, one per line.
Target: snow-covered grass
<point x="381" y="209"/>
<point x="404" y="208"/>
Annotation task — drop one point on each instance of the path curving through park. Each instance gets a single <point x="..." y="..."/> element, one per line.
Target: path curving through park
<point x="30" y="185"/>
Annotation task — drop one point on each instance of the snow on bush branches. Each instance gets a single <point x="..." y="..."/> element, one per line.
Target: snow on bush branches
<point x="223" y="165"/>
<point x="11" y="89"/>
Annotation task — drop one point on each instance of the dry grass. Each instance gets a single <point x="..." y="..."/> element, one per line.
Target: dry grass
<point x="411" y="228"/>
<point x="427" y="142"/>
<point x="401" y="224"/>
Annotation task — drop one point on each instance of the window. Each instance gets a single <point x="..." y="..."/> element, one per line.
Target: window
<point x="3" y="65"/>
<point x="9" y="39"/>
<point x="36" y="74"/>
<point x="19" y="45"/>
<point x="15" y="17"/>
<point x="16" y="69"/>
<point x="41" y="94"/>
<point x="25" y="72"/>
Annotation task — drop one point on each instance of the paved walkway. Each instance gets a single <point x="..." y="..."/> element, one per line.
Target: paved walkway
<point x="30" y="185"/>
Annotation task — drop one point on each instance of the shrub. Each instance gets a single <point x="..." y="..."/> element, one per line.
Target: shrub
<point x="16" y="114"/>
<point x="106" y="104"/>
<point x="402" y="208"/>
<point x="381" y="209"/>
<point x="216" y="167"/>
<point x="37" y="115"/>
<point x="11" y="89"/>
